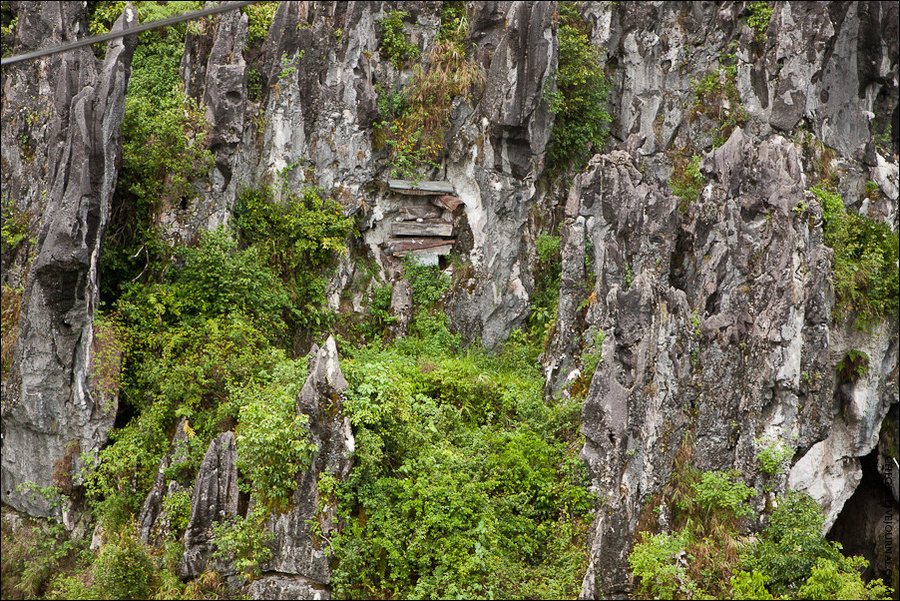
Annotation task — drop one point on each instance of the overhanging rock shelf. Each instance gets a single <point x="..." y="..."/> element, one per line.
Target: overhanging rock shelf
<point x="425" y="224"/>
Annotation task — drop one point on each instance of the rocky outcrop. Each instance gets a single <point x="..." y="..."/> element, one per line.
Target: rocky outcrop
<point x="300" y="567"/>
<point x="215" y="497"/>
<point x="153" y="522"/>
<point x="61" y="169"/>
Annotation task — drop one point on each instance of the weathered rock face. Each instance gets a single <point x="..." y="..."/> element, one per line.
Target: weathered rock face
<point x="319" y="67"/>
<point x="61" y="142"/>
<point x="215" y="496"/>
<point x="299" y="568"/>
<point x="718" y="317"/>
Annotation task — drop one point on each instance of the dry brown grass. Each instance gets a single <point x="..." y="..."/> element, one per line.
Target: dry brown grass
<point x="429" y="101"/>
<point x="10" y="312"/>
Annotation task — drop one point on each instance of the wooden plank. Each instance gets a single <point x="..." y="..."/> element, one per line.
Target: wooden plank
<point x="437" y="250"/>
<point x="431" y="187"/>
<point x="450" y="203"/>
<point x="414" y="212"/>
<point x="406" y="244"/>
<point x="423" y="228"/>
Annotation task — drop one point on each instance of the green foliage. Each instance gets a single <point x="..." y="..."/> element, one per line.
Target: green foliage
<point x="260" y="17"/>
<point x="544" y="300"/>
<point x="854" y="366"/>
<point x="758" y="16"/>
<point x="33" y="551"/>
<point x="454" y="21"/>
<point x="750" y="585"/>
<point x="427" y="282"/>
<point x="460" y="485"/>
<point x="273" y="437"/>
<point x="791" y="543"/>
<point x="8" y="23"/>
<point x="163" y="148"/>
<point x="177" y="507"/>
<point x="686" y="181"/>
<point x="592" y="354"/>
<point x="723" y="496"/>
<point x="772" y="455"/>
<point x="300" y="240"/>
<point x="394" y="44"/>
<point x="660" y="561"/>
<point x="14" y="229"/>
<point x="579" y="100"/>
<point x="123" y="568"/>
<point x="415" y="119"/>
<point x="244" y="541"/>
<point x="716" y="96"/>
<point x="864" y="266"/>
<point x="840" y="580"/>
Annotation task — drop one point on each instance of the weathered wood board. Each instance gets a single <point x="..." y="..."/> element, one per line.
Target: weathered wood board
<point x="423" y="228"/>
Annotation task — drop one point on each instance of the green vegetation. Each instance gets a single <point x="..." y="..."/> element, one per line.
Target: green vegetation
<point x="260" y="17"/>
<point x="758" y="16"/>
<point x="8" y="22"/>
<point x="414" y="120"/>
<point x="163" y="147"/>
<point x="866" y="281"/>
<point x="706" y="556"/>
<point x="244" y="541"/>
<point x="854" y="366"/>
<point x="772" y="455"/>
<point x="579" y="100"/>
<point x="716" y="97"/>
<point x="686" y="181"/>
<point x="394" y="44"/>
<point x="299" y="240"/>
<point x="544" y="300"/>
<point x="464" y="483"/>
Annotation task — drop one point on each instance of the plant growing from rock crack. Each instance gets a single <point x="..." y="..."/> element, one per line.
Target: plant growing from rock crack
<point x="772" y="455"/>
<point x="579" y="101"/>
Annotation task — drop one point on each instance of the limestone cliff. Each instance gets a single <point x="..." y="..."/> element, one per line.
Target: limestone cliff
<point x="714" y="313"/>
<point x="61" y="122"/>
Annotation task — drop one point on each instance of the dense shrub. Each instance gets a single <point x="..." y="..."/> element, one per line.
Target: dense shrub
<point x="866" y="280"/>
<point x="579" y="100"/>
<point x="462" y="485"/>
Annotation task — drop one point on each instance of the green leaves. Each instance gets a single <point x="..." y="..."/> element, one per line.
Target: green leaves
<point x="273" y="438"/>
<point x="866" y="280"/>
<point x="394" y="43"/>
<point x="460" y="487"/>
<point x="579" y="101"/>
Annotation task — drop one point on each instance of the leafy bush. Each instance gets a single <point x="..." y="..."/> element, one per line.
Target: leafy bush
<point x="579" y="100"/>
<point x="840" y="580"/>
<point x="866" y="280"/>
<point x="791" y="543"/>
<point x="244" y="541"/>
<point x="393" y="41"/>
<point x="758" y="16"/>
<point x="772" y="455"/>
<point x="686" y="181"/>
<point x="854" y="366"/>
<point x="300" y="240"/>
<point x="260" y="17"/>
<point x="660" y="561"/>
<point x="459" y="487"/>
<point x="273" y="438"/>
<point x="123" y="568"/>
<point x="427" y="282"/>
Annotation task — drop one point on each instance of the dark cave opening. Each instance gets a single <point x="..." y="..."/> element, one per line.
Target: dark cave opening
<point x="867" y="525"/>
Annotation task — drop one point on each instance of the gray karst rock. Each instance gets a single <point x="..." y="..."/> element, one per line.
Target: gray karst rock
<point x="711" y="320"/>
<point x="300" y="566"/>
<point x="215" y="497"/>
<point x="61" y="169"/>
